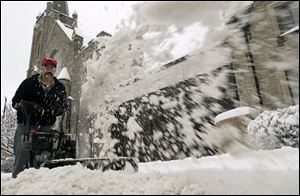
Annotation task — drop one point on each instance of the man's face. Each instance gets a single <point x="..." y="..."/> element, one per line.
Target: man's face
<point x="48" y="70"/>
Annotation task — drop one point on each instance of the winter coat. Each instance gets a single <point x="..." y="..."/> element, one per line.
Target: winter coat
<point x="53" y="102"/>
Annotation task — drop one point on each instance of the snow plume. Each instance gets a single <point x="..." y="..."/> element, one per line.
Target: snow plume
<point x="106" y="143"/>
<point x="184" y="13"/>
<point x="155" y="34"/>
<point x="274" y="129"/>
<point x="169" y="123"/>
<point x="191" y="23"/>
<point x="183" y="37"/>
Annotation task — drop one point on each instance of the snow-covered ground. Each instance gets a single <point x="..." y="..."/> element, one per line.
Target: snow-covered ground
<point x="250" y="172"/>
<point x="127" y="69"/>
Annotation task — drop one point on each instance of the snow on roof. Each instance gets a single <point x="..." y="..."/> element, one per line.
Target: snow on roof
<point x="240" y="111"/>
<point x="86" y="42"/>
<point x="64" y="74"/>
<point x="78" y="32"/>
<point x="296" y="28"/>
<point x="66" y="30"/>
<point x="71" y="98"/>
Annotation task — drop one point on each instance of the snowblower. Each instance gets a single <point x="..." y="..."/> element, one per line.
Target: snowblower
<point x="52" y="148"/>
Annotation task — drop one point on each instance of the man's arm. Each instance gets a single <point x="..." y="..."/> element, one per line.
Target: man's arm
<point x="19" y="95"/>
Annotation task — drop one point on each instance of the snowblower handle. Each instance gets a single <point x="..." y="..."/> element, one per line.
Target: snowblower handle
<point x="21" y="107"/>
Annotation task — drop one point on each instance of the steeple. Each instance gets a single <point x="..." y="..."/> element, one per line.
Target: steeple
<point x="61" y="6"/>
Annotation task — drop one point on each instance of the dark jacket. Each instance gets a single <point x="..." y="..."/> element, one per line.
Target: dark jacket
<point x="54" y="101"/>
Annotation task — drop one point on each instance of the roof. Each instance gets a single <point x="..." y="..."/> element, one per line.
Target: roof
<point x="66" y="30"/>
<point x="103" y="33"/>
<point x="78" y="32"/>
<point x="64" y="74"/>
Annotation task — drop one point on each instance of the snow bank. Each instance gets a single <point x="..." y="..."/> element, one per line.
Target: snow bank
<point x="274" y="129"/>
<point x="254" y="172"/>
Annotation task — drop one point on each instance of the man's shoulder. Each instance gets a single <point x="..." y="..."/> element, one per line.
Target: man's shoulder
<point x="59" y="83"/>
<point x="31" y="78"/>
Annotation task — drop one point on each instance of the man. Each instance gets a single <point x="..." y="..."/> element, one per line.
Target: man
<point x="44" y="98"/>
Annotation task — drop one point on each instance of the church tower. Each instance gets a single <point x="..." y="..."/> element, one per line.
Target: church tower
<point x="61" y="6"/>
<point x="56" y="34"/>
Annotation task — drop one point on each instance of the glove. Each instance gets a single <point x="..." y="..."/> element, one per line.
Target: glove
<point x="32" y="107"/>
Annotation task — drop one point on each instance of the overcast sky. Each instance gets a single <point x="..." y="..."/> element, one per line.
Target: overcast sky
<point x="18" y="19"/>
